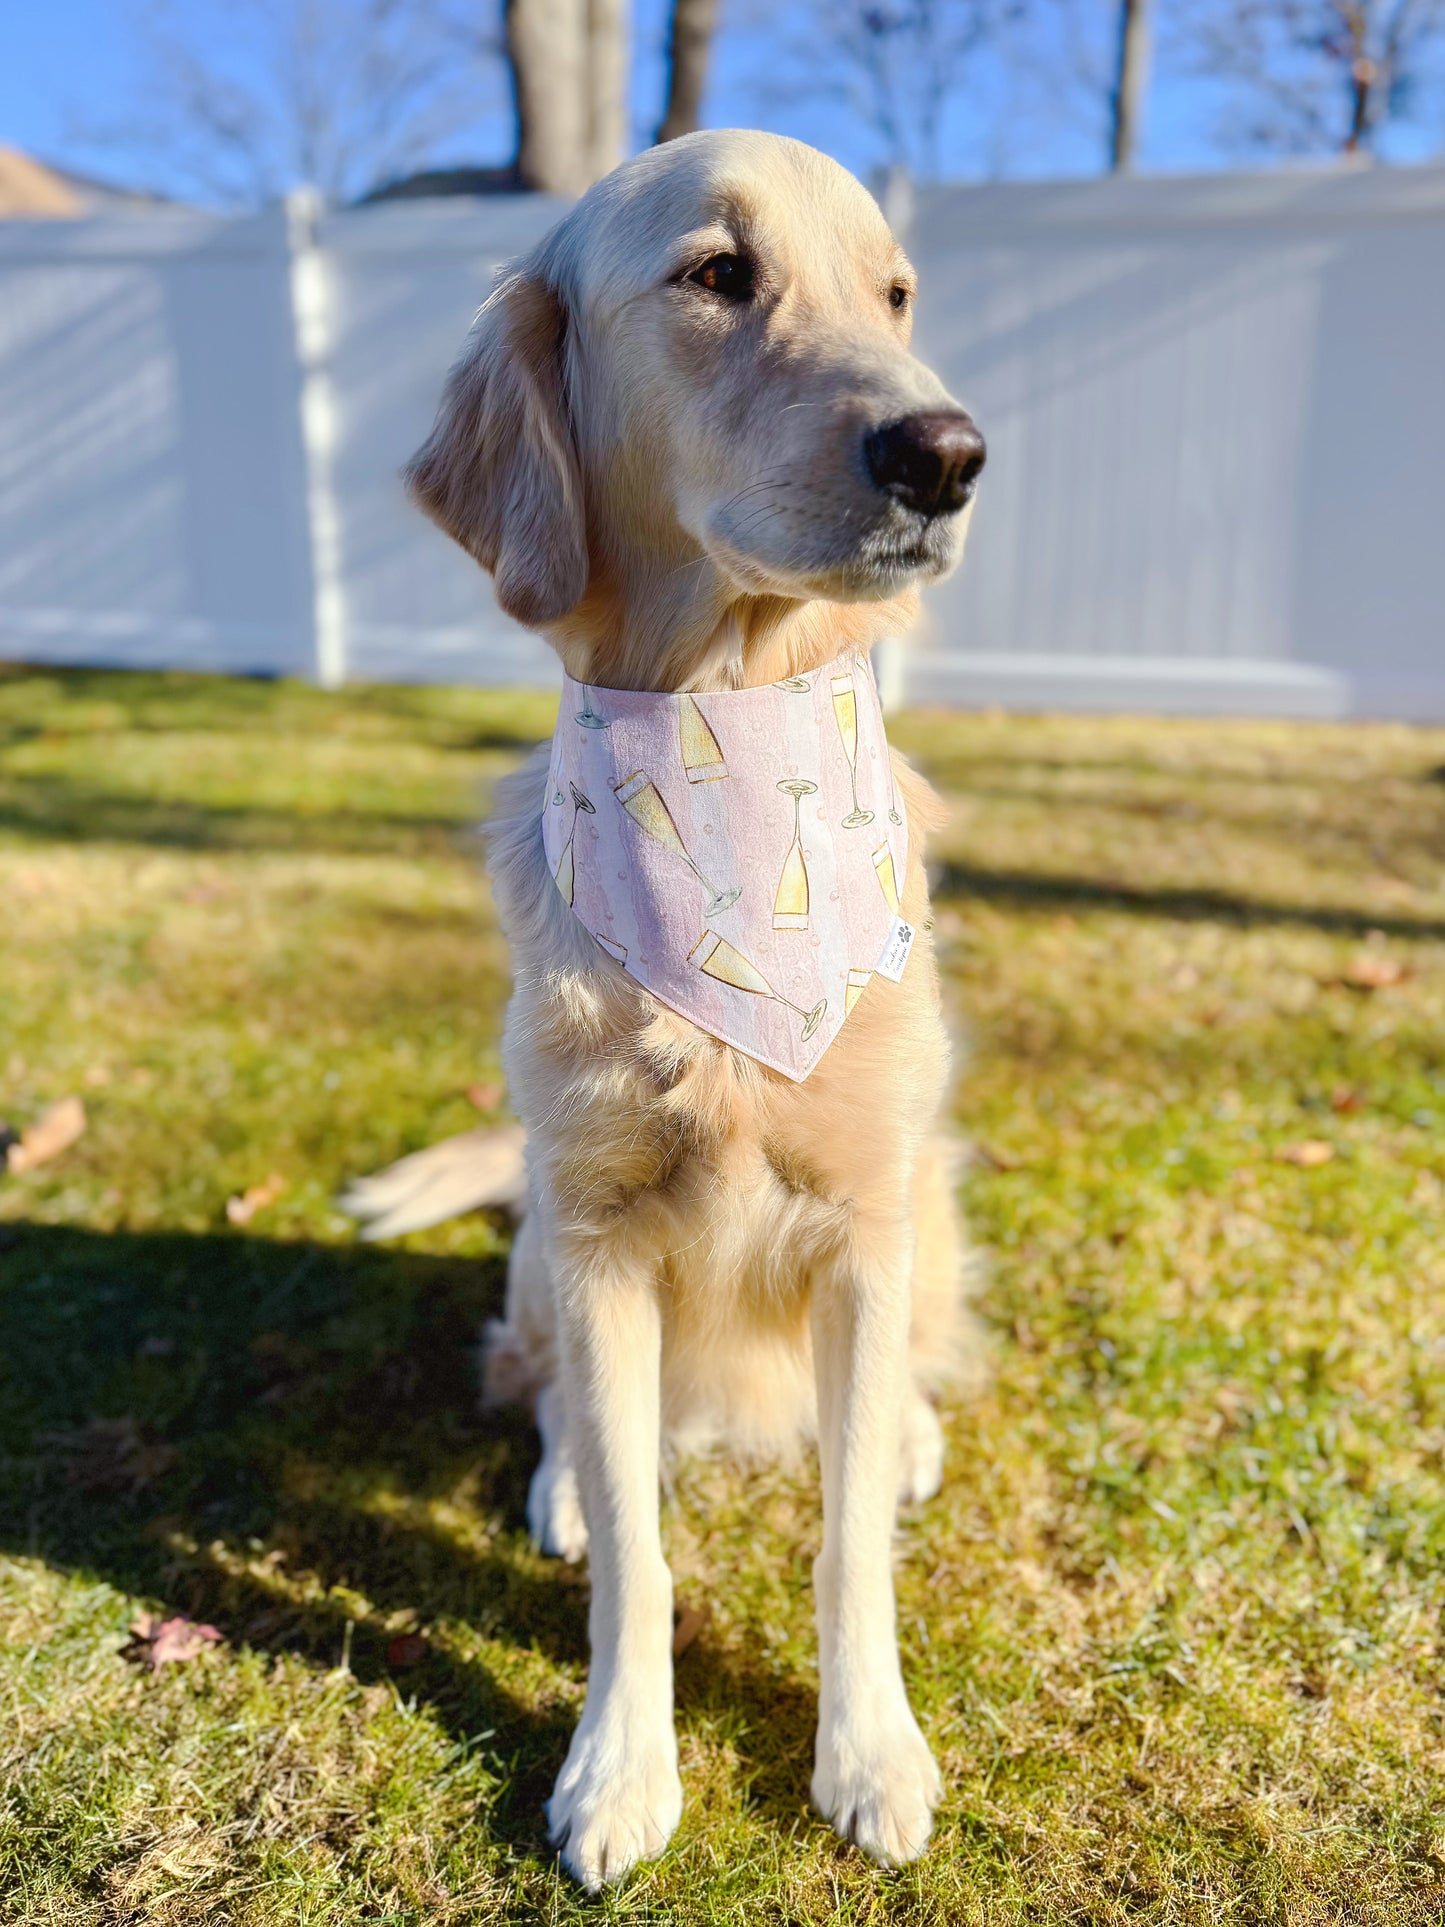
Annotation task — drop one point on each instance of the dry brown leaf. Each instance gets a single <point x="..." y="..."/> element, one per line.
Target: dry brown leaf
<point x="687" y="1623"/>
<point x="254" y="1198"/>
<point x="1307" y="1153"/>
<point x="1371" y="971"/>
<point x="155" y="1642"/>
<point x="485" y="1097"/>
<point x="54" y="1131"/>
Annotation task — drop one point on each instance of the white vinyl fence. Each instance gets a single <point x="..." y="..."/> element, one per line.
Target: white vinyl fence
<point x="1215" y="411"/>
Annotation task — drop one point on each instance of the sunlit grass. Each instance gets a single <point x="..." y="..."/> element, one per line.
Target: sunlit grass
<point x="1173" y="1626"/>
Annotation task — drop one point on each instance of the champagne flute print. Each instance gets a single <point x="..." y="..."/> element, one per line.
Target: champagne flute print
<point x="639" y="796"/>
<point x="716" y="958"/>
<point x="565" y="876"/>
<point x="795" y="685"/>
<point x="845" y="710"/>
<point x="790" y="904"/>
<point x="587" y="715"/>
<point x="893" y="816"/>
<point x="887" y="876"/>
<point x="702" y="755"/>
<point x="858" y="982"/>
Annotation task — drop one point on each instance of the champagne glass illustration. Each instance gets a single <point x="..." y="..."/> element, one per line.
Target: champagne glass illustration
<point x="587" y="715"/>
<point x="795" y="685"/>
<point x="893" y="816"/>
<point x="716" y="958"/>
<point x="639" y="796"/>
<point x="845" y="710"/>
<point x="564" y="876"/>
<point x="887" y="878"/>
<point x="858" y="982"/>
<point x="702" y="755"/>
<point x="790" y="905"/>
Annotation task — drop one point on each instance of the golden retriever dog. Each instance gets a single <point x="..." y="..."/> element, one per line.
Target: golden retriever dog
<point x="689" y="442"/>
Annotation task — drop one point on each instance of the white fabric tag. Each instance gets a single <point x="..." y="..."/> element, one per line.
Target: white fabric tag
<point x="895" y="952"/>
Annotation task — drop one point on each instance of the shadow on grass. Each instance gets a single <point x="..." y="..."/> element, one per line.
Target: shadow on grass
<point x="58" y="809"/>
<point x="284" y="1439"/>
<point x="165" y="701"/>
<point x="54" y="809"/>
<point x="1027" y="889"/>
<point x="175" y="1406"/>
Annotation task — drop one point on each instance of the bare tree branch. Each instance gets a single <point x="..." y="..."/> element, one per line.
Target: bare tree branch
<point x="894" y="66"/>
<point x="1317" y="76"/>
<point x="239" y="104"/>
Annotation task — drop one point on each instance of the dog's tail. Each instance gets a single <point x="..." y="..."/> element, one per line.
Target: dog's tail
<point x="479" y="1170"/>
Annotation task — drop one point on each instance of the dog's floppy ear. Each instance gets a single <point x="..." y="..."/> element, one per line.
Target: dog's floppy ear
<point x="499" y="471"/>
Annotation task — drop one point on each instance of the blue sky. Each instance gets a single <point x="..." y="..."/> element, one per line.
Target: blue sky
<point x="75" y="64"/>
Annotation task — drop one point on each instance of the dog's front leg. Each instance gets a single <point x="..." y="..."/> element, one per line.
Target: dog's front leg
<point x="618" y="1796"/>
<point x="874" y="1776"/>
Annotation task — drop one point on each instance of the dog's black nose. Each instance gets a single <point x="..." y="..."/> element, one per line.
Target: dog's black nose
<point x="928" y="462"/>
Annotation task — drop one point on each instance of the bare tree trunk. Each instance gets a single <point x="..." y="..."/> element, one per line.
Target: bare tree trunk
<point x="547" y="52"/>
<point x="608" y="108"/>
<point x="689" y="41"/>
<point x="1130" y="84"/>
<point x="1359" y="109"/>
<point x="1363" y="74"/>
<point x="569" y="67"/>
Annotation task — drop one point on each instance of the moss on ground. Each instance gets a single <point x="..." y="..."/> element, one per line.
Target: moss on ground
<point x="1173" y="1626"/>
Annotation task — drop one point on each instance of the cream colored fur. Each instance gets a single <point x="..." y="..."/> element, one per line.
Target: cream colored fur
<point x="669" y="486"/>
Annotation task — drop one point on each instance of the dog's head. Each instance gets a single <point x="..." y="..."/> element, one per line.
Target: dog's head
<point x="704" y="369"/>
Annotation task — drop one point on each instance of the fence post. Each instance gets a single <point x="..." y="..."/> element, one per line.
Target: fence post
<point x="311" y="326"/>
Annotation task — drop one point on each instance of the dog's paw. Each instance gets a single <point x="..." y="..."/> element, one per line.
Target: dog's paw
<point x="879" y="1789"/>
<point x="554" y="1512"/>
<point x="617" y="1800"/>
<point x="920" y="1452"/>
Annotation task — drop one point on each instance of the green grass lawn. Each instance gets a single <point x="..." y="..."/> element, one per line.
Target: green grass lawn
<point x="1174" y="1624"/>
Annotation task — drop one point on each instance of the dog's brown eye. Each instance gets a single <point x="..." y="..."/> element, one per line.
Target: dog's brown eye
<point x="898" y="296"/>
<point x="730" y="275"/>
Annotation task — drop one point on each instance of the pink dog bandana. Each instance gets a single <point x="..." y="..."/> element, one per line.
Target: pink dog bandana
<point x="740" y="853"/>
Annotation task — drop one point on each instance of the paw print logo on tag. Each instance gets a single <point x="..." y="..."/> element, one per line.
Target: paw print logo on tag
<point x="895" y="951"/>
